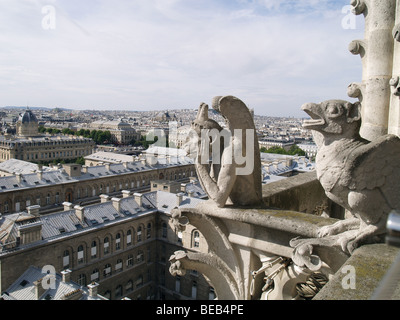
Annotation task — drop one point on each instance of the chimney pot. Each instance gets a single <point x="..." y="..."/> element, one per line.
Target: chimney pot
<point x="116" y="203"/>
<point x="80" y="212"/>
<point x="93" y="287"/>
<point x="139" y="199"/>
<point x="68" y="206"/>
<point x="179" y="198"/>
<point x="104" y="198"/>
<point x="34" y="210"/>
<point x="66" y="276"/>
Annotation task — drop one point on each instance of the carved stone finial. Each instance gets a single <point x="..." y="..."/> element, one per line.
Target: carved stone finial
<point x="359" y="6"/>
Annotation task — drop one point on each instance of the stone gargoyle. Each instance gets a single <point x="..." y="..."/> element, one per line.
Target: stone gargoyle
<point x="232" y="175"/>
<point x="362" y="176"/>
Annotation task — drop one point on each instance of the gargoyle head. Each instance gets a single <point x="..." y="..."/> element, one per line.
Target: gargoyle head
<point x="202" y="122"/>
<point x="333" y="117"/>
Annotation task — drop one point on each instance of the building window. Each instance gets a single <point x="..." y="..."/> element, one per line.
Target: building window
<point x="48" y="199"/>
<point x="196" y="239"/>
<point x="106" y="246"/>
<point x="164" y="230"/>
<point x="211" y="294"/>
<point x="57" y="198"/>
<point x="82" y="280"/>
<point x="95" y="276"/>
<point x="66" y="259"/>
<point x="94" y="250"/>
<point x="139" y="281"/>
<point x="107" y="270"/>
<point x="194" y="290"/>
<point x="6" y="207"/>
<point x="140" y="256"/>
<point x="118" y="292"/>
<point x="129" y="238"/>
<point x="118" y="266"/>
<point x="139" y="234"/>
<point x="129" y="261"/>
<point x="129" y="286"/>
<point x="148" y="231"/>
<point x="178" y="284"/>
<point x="80" y="255"/>
<point x="118" y="242"/>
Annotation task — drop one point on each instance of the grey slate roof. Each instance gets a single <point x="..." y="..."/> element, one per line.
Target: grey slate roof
<point x="66" y="223"/>
<point x="24" y="289"/>
<point x="60" y="176"/>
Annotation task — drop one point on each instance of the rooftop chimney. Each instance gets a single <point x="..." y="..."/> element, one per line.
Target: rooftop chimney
<point x="183" y="187"/>
<point x="84" y="169"/>
<point x="66" y="276"/>
<point x="34" y="211"/>
<point x="68" y="206"/>
<point x="125" y="165"/>
<point x="104" y="198"/>
<point x="93" y="289"/>
<point x="139" y="199"/>
<point x="40" y="175"/>
<point x="108" y="166"/>
<point x="179" y="198"/>
<point x="39" y="289"/>
<point x="19" y="177"/>
<point x="80" y="212"/>
<point x="116" y="203"/>
<point x="126" y="193"/>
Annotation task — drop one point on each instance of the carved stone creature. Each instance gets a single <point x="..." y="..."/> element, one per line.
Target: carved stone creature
<point x="361" y="176"/>
<point x="224" y="180"/>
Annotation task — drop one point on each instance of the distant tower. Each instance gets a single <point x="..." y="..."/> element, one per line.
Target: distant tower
<point x="27" y="125"/>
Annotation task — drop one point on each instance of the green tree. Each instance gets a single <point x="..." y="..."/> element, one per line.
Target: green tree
<point x="295" y="150"/>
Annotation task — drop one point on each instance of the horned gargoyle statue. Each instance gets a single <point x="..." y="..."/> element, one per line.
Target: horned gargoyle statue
<point x="362" y="176"/>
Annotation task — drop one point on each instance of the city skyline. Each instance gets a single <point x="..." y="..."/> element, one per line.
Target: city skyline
<point x="175" y="54"/>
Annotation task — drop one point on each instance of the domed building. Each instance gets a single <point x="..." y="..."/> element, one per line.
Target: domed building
<point x="29" y="145"/>
<point x="27" y="125"/>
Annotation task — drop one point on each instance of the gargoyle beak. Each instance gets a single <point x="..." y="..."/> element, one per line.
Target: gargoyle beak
<point x="313" y="110"/>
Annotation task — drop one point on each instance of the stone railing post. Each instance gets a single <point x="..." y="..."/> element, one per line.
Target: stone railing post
<point x="376" y="51"/>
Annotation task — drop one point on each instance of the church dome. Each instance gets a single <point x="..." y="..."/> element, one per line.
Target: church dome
<point x="27" y="117"/>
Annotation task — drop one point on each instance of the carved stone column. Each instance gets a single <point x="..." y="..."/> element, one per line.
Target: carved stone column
<point x="394" y="116"/>
<point x="376" y="51"/>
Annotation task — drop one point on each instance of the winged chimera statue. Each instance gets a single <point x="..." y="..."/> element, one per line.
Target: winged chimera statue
<point x="362" y="176"/>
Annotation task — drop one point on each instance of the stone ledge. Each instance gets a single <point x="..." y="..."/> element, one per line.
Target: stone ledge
<point x="371" y="263"/>
<point x="301" y="193"/>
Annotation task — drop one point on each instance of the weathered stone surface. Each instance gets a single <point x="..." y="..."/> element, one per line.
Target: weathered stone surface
<point x="370" y="264"/>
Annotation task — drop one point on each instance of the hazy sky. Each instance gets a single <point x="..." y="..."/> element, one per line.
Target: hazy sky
<point x="275" y="55"/>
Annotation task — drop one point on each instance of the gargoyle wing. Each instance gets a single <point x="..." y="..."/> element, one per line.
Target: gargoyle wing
<point x="375" y="165"/>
